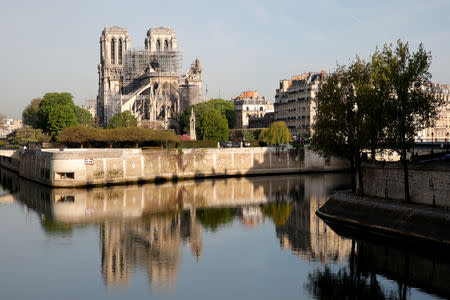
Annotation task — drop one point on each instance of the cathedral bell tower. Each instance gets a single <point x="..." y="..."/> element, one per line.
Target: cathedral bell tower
<point x="114" y="42"/>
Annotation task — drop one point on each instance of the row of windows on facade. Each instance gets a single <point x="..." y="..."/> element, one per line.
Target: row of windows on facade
<point x="299" y="91"/>
<point x="293" y="118"/>
<point x="284" y="101"/>
<point x="299" y="126"/>
<point x="290" y="110"/>
<point x="293" y="109"/>
<point x="260" y="109"/>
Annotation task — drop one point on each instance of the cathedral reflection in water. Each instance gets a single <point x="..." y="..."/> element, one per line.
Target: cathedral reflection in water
<point x="146" y="226"/>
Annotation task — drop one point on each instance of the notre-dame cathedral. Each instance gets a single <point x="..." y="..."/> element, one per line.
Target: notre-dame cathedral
<point x="146" y="82"/>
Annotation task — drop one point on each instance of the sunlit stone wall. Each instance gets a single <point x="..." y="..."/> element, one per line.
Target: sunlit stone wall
<point x="81" y="167"/>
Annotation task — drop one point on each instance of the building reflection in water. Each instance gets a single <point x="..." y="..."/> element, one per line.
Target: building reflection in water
<point x="304" y="233"/>
<point x="146" y="226"/>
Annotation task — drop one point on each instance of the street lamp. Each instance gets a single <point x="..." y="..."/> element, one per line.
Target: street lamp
<point x="432" y="142"/>
<point x="447" y="143"/>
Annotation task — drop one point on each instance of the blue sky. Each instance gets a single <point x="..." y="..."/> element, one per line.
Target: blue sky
<point x="53" y="46"/>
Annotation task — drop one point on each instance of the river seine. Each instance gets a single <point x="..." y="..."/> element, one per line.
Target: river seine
<point x="235" y="238"/>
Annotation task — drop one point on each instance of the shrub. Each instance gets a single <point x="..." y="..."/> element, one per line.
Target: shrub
<point x="122" y="136"/>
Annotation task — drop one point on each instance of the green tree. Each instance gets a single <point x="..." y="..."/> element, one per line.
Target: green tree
<point x="225" y="107"/>
<point x="29" y="115"/>
<point x="276" y="134"/>
<point x="83" y="116"/>
<point x="123" y="119"/>
<point x="26" y="134"/>
<point x="79" y="134"/>
<point x="60" y="117"/>
<point x="402" y="77"/>
<point x="340" y="127"/>
<point x="212" y="126"/>
<point x="56" y="111"/>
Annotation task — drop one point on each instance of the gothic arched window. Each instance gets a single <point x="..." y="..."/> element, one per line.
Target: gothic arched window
<point x="120" y="52"/>
<point x="166" y="45"/>
<point x="158" y="45"/>
<point x="113" y="51"/>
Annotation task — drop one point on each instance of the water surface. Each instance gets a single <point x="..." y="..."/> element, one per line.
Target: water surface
<point x="243" y="238"/>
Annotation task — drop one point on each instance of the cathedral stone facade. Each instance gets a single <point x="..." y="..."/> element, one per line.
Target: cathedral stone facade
<point x="146" y="82"/>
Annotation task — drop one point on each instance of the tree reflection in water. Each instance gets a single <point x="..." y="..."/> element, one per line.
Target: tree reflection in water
<point x="147" y="227"/>
<point x="212" y="218"/>
<point x="351" y="282"/>
<point x="278" y="211"/>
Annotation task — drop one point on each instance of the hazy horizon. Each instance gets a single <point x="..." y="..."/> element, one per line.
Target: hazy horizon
<point x="53" y="46"/>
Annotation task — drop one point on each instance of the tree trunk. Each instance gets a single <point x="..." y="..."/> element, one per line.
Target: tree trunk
<point x="406" y="175"/>
<point x="352" y="169"/>
<point x="360" y="176"/>
<point x="372" y="153"/>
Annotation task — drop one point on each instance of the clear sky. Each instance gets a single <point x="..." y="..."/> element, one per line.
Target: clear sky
<point x="53" y="46"/>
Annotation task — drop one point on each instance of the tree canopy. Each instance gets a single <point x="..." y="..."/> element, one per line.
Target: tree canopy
<point x="29" y="115"/>
<point x="56" y="112"/>
<point x="123" y="119"/>
<point x="402" y="79"/>
<point x="225" y="107"/>
<point x="340" y="124"/>
<point x="27" y="134"/>
<point x="376" y="104"/>
<point x="276" y="134"/>
<point x="212" y="125"/>
<point x="84" y="117"/>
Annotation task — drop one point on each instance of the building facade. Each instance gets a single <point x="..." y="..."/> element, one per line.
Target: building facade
<point x="146" y="82"/>
<point x="91" y="106"/>
<point x="8" y="126"/>
<point x="440" y="132"/>
<point x="294" y="102"/>
<point x="248" y="106"/>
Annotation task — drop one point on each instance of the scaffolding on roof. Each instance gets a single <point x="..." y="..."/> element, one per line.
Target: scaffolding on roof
<point x="138" y="63"/>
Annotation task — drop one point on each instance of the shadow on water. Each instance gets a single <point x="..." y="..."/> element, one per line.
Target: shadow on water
<point x="146" y="226"/>
<point x="370" y="261"/>
<point x="410" y="266"/>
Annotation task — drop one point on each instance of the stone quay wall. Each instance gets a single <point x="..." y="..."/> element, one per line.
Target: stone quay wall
<point x="429" y="183"/>
<point x="85" y="167"/>
<point x="388" y="218"/>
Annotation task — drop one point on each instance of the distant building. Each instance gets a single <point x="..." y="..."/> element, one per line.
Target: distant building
<point x="8" y="126"/>
<point x="262" y="122"/>
<point x="91" y="106"/>
<point x="147" y="82"/>
<point x="440" y="132"/>
<point x="248" y="106"/>
<point x="294" y="102"/>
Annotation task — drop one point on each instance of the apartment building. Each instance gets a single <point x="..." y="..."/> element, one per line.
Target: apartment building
<point x="440" y="132"/>
<point x="249" y="106"/>
<point x="294" y="102"/>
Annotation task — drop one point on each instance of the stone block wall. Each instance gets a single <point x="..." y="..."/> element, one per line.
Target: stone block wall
<point x="81" y="167"/>
<point x="429" y="183"/>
